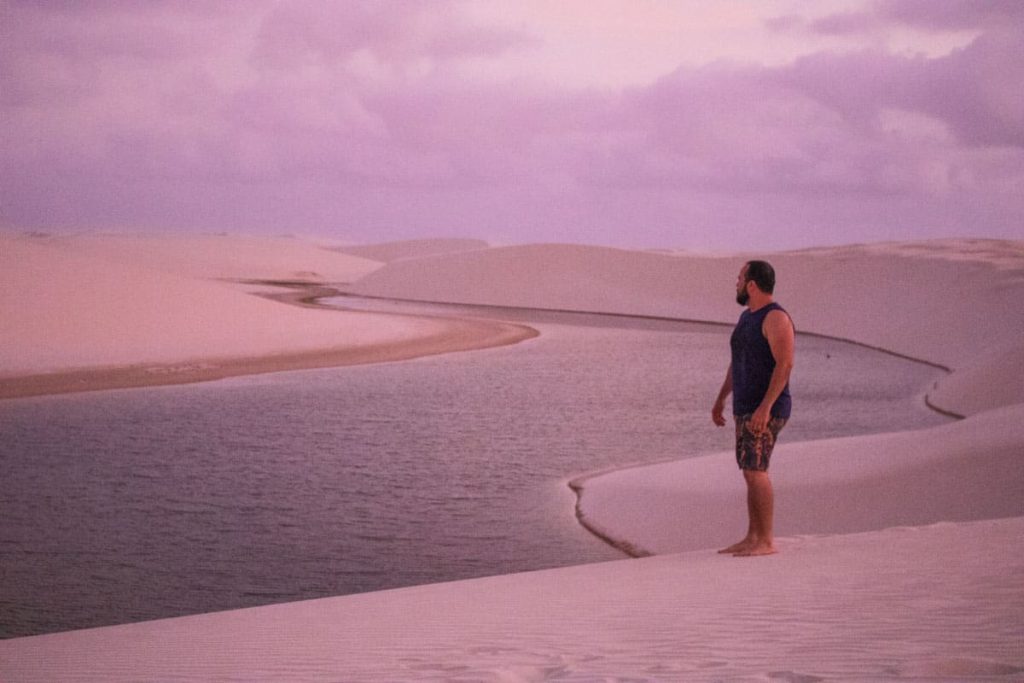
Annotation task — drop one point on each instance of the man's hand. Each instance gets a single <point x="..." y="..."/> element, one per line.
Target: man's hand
<point x="716" y="413"/>
<point x="759" y="420"/>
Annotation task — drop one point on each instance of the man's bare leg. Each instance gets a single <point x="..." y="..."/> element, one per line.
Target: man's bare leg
<point x="750" y="539"/>
<point x="761" y="507"/>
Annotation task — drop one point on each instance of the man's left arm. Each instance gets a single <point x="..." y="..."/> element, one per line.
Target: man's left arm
<point x="778" y="330"/>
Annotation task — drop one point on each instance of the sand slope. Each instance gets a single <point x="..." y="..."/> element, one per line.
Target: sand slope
<point x="165" y="308"/>
<point x="944" y="301"/>
<point x="62" y="309"/>
<point x="220" y="256"/>
<point x="562" y="276"/>
<point x="990" y="378"/>
<point x="954" y="472"/>
<point x="875" y="606"/>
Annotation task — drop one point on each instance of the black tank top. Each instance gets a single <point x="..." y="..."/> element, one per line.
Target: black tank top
<point x="753" y="363"/>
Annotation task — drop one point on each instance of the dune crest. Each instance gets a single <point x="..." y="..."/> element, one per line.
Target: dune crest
<point x="221" y="257"/>
<point x="395" y="251"/>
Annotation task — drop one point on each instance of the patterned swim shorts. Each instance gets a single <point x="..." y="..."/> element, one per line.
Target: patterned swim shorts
<point x="754" y="451"/>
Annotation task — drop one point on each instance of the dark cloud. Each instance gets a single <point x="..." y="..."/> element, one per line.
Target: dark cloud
<point x="926" y="15"/>
<point x="950" y="15"/>
<point x="786" y="22"/>
<point x="845" y="24"/>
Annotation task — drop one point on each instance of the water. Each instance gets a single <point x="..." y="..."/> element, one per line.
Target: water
<point x="122" y="506"/>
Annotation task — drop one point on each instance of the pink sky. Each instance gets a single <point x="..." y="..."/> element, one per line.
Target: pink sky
<point x="720" y="125"/>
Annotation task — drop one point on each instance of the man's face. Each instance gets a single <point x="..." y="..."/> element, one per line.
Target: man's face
<point x="742" y="295"/>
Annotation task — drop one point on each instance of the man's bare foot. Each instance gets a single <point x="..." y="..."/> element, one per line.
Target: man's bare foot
<point x="740" y="547"/>
<point x="755" y="550"/>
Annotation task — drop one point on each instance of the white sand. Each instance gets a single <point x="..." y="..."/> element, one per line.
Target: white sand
<point x="989" y="378"/>
<point x="220" y="256"/>
<point x="933" y="302"/>
<point x="95" y="303"/>
<point x="859" y="607"/>
<point x="946" y="301"/>
<point x="899" y="552"/>
<point x="394" y="251"/>
<point x="955" y="472"/>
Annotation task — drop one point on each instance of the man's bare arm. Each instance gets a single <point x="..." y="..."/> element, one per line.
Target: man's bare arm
<point x="778" y="330"/>
<point x="717" y="411"/>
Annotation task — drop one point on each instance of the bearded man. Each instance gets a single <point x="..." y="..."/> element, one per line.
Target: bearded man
<point x="762" y="346"/>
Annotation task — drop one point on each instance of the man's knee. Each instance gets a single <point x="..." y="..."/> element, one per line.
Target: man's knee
<point x="755" y="477"/>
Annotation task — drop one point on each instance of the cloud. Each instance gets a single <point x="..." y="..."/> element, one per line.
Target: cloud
<point x="845" y="24"/>
<point x="366" y="116"/>
<point x="925" y="15"/>
<point x="391" y="30"/>
<point x="952" y="15"/>
<point x="972" y="89"/>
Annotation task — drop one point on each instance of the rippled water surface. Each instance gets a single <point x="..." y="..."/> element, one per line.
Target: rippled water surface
<point x="129" y="505"/>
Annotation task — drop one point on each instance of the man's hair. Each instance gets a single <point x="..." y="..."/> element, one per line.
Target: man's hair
<point x="763" y="275"/>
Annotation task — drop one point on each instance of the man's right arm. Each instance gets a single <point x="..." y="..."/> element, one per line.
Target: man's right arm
<point x="718" y="411"/>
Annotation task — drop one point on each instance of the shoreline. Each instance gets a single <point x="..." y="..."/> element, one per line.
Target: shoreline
<point x="577" y="483"/>
<point x="840" y="470"/>
<point x="629" y="549"/>
<point x="460" y="334"/>
<point x="463" y="334"/>
<point x="653" y="318"/>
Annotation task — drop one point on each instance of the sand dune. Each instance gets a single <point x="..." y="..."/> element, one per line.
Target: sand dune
<point x="107" y="311"/>
<point x="561" y="276"/>
<point x="220" y="256"/>
<point x="990" y="378"/>
<point x="955" y="472"/>
<point x="900" y="552"/>
<point x="943" y="301"/>
<point x="394" y="251"/>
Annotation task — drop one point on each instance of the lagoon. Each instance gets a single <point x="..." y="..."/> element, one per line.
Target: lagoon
<point x="123" y="506"/>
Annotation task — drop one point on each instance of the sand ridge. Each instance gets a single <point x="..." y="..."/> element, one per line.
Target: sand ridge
<point x="405" y="249"/>
<point x="216" y="256"/>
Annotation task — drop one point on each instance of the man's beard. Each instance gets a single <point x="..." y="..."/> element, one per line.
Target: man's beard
<point x="742" y="297"/>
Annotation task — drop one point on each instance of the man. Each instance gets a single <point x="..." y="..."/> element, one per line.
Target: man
<point x="758" y="377"/>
